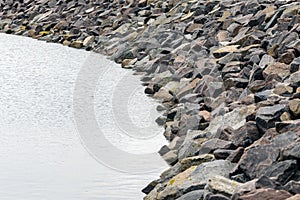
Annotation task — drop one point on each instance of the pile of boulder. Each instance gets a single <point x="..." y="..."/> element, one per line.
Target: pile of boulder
<point x="226" y="73"/>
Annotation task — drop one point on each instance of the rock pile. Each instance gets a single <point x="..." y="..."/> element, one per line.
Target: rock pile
<point x="227" y="74"/>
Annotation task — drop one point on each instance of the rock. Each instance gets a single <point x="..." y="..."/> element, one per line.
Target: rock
<point x="293" y="187"/>
<point x="284" y="126"/>
<point x="294" y="79"/>
<point x="88" y="40"/>
<point x="193" y="195"/>
<point x="284" y="117"/>
<point x="292" y="151"/>
<point x="222" y="153"/>
<point x="235" y="82"/>
<point x="294" y="106"/>
<point x="222" y="185"/>
<point x="295" y="197"/>
<point x="281" y="171"/>
<point x="205" y="114"/>
<point x="195" y="160"/>
<point x="283" y="90"/>
<point x="213" y="144"/>
<point x="266" y="60"/>
<point x="287" y="57"/>
<point x="76" y="44"/>
<point x="267" y="116"/>
<point x="280" y="69"/>
<point x="150" y="187"/>
<point x="245" y="135"/>
<point x="235" y="156"/>
<point x="225" y="50"/>
<point x="194" y="178"/>
<point x="170" y="157"/>
<point x="262" y="96"/>
<point x="262" y="154"/>
<point x="266" y="194"/>
<point x="216" y="197"/>
<point x="295" y="65"/>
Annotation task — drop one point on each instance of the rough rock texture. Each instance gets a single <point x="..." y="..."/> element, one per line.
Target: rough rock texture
<point x="226" y="72"/>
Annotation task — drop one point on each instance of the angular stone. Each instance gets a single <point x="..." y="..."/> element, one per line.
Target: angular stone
<point x="287" y="57"/>
<point x="281" y="171"/>
<point x="280" y="69"/>
<point x="76" y="44"/>
<point x="225" y="50"/>
<point x="245" y="135"/>
<point x="196" y="160"/>
<point x="262" y="96"/>
<point x="222" y="153"/>
<point x="283" y="89"/>
<point x="150" y="187"/>
<point x="223" y="185"/>
<point x="295" y="65"/>
<point x="267" y="116"/>
<point x="196" y="194"/>
<point x="262" y="154"/>
<point x="266" y="60"/>
<point x="213" y="144"/>
<point x="170" y="157"/>
<point x="88" y="40"/>
<point x="266" y="194"/>
<point x="293" y="187"/>
<point x="294" y="106"/>
<point x="292" y="151"/>
<point x="284" y="126"/>
<point x="295" y="197"/>
<point x="235" y="156"/>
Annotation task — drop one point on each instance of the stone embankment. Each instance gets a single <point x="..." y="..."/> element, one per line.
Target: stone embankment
<point x="227" y="74"/>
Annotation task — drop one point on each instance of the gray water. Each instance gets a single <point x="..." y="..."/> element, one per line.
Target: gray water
<point x="44" y="152"/>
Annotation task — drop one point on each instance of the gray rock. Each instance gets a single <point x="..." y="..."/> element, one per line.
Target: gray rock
<point x="193" y="195"/>
<point x="267" y="116"/>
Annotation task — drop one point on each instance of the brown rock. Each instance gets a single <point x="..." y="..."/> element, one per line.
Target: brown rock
<point x="205" y="114"/>
<point x="287" y="57"/>
<point x="280" y="69"/>
<point x="294" y="106"/>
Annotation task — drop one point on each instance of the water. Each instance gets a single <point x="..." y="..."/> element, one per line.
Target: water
<point x="48" y="150"/>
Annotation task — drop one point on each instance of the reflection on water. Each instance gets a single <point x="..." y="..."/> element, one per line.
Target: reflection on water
<point x="41" y="155"/>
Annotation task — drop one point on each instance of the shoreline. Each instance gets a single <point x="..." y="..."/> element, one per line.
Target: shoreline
<point x="226" y="73"/>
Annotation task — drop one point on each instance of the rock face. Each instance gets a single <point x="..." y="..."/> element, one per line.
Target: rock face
<point x="226" y="73"/>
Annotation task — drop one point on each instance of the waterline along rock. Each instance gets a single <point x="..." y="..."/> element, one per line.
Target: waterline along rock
<point x="226" y="73"/>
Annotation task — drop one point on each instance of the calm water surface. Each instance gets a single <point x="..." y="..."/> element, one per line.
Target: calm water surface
<point x="42" y="156"/>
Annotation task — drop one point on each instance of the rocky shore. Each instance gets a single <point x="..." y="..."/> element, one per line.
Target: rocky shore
<point x="226" y="72"/>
